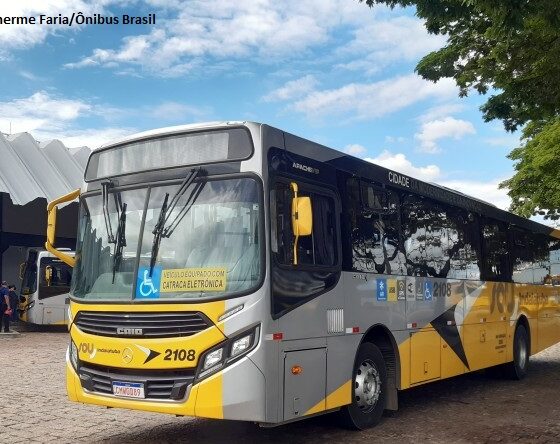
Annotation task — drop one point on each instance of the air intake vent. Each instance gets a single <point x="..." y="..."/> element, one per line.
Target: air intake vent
<point x="142" y="325"/>
<point x="158" y="384"/>
<point x="335" y="320"/>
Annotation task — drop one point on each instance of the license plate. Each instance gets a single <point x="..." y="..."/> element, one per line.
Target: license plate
<point x="128" y="389"/>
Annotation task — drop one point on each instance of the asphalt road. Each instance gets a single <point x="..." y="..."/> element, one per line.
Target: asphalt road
<point x="470" y="408"/>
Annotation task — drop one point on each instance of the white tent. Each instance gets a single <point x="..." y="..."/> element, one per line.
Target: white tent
<point x="29" y="170"/>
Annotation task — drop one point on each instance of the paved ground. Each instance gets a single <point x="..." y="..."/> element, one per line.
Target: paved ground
<point x="471" y="408"/>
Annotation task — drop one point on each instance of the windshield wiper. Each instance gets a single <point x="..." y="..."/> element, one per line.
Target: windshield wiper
<point x="161" y="229"/>
<point x="120" y="238"/>
<point x="120" y="241"/>
<point x="105" y="197"/>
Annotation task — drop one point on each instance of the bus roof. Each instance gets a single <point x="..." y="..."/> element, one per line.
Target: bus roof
<point x="173" y="130"/>
<point x="353" y="165"/>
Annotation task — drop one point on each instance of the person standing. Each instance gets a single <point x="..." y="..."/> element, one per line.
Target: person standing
<point x="5" y="306"/>
<point x="13" y="302"/>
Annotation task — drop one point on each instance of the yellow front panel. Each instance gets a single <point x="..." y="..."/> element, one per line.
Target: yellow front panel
<point x="425" y="356"/>
<point x="209" y="402"/>
<point x="149" y="354"/>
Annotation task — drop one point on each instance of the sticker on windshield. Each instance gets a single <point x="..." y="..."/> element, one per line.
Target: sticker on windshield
<point x="193" y="279"/>
<point x="148" y="287"/>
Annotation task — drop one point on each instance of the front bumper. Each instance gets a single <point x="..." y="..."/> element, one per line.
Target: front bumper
<point x="236" y="392"/>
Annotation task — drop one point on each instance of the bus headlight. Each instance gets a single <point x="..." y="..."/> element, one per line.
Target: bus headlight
<point x="240" y="345"/>
<point x="228" y="352"/>
<point x="73" y="355"/>
<point x="213" y="358"/>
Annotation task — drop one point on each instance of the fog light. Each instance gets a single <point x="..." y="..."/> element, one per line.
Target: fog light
<point x="213" y="358"/>
<point x="240" y="345"/>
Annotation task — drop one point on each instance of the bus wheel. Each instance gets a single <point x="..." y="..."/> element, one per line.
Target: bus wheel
<point x="369" y="389"/>
<point x="518" y="368"/>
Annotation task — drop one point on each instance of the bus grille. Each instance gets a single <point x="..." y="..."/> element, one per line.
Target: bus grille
<point x="142" y="325"/>
<point x="158" y="384"/>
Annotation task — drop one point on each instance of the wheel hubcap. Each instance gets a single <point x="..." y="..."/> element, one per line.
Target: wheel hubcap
<point x="367" y="386"/>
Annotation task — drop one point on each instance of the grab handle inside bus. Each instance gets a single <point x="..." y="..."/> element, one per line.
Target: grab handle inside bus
<point x="51" y="226"/>
<point x="302" y="217"/>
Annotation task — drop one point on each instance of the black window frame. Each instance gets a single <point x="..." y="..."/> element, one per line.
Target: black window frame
<point x="306" y="186"/>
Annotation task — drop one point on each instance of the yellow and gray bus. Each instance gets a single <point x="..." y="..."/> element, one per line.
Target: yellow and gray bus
<point x="233" y="270"/>
<point x="45" y="283"/>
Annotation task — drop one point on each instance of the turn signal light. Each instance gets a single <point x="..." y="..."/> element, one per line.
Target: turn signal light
<point x="297" y="370"/>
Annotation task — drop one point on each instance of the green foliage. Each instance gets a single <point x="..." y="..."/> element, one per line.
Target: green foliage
<point x="510" y="49"/>
<point x="535" y="187"/>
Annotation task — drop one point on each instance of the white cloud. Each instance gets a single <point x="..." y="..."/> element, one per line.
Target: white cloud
<point x="441" y="111"/>
<point x="176" y="112"/>
<point x="370" y="100"/>
<point x="264" y="30"/>
<point x="267" y="31"/>
<point x="40" y="111"/>
<point x="292" y="89"/>
<point x="355" y="149"/>
<point x="486" y="191"/>
<point x="385" y="41"/>
<point x="26" y="36"/>
<point x="48" y="117"/>
<point x="400" y="163"/>
<point x="435" y="130"/>
<point x="393" y="139"/>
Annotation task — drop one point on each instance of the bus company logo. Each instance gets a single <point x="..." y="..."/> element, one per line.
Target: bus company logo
<point x="305" y="168"/>
<point x="125" y="331"/>
<point x="87" y="347"/>
<point x="127" y="355"/>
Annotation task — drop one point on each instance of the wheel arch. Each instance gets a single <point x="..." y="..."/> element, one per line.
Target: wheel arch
<point x="381" y="336"/>
<point x="523" y="320"/>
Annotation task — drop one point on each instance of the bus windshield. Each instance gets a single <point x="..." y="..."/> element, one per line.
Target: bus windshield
<point x="207" y="247"/>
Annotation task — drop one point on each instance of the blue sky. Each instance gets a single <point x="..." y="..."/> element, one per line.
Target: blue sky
<point x="334" y="71"/>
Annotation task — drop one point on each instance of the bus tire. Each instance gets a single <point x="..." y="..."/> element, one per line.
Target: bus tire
<point x="369" y="389"/>
<point x="517" y="369"/>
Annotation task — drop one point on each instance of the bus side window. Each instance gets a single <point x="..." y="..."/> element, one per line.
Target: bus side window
<point x="375" y="224"/>
<point x="495" y="250"/>
<point x="522" y="256"/>
<point x="317" y="249"/>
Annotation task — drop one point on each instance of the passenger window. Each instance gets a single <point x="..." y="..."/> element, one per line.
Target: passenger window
<point x="375" y="224"/>
<point x="496" y="264"/>
<point x="522" y="256"/>
<point x="439" y="240"/>
<point x="318" y="249"/>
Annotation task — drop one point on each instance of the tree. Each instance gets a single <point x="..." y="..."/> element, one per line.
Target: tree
<point x="535" y="187"/>
<point x="511" y="49"/>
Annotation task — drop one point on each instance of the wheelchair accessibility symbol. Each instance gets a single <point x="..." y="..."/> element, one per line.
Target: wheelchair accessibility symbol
<point x="147" y="287"/>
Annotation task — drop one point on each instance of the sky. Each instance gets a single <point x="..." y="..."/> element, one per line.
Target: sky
<point x="333" y="71"/>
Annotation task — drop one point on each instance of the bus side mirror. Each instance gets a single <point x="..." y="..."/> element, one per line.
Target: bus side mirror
<point x="302" y="216"/>
<point x="51" y="227"/>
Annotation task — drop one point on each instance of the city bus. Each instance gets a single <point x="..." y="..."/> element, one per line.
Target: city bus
<point x="236" y="271"/>
<point x="45" y="283"/>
